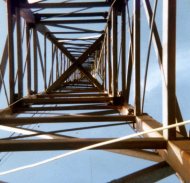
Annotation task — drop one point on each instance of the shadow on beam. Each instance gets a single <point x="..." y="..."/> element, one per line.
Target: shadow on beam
<point x="151" y="174"/>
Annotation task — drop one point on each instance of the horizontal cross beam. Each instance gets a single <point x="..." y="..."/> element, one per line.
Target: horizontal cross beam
<point x="66" y="5"/>
<point x="84" y="21"/>
<point x="71" y="144"/>
<point x="89" y="14"/>
<point x="77" y="32"/>
<point x="65" y="119"/>
<point x="83" y="45"/>
<point x="66" y="100"/>
<point x="73" y="39"/>
<point x="73" y="107"/>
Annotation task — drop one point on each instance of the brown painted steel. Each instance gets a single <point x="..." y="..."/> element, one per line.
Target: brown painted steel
<point x="71" y="144"/>
<point x="136" y="56"/>
<point x="66" y="5"/>
<point x="65" y="119"/>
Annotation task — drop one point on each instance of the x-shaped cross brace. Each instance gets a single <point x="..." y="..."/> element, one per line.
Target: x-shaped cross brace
<point x="77" y="64"/>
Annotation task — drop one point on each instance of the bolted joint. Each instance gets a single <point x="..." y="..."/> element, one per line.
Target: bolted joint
<point x="37" y="18"/>
<point x="30" y="25"/>
<point x="119" y="6"/>
<point x="16" y="97"/>
<point x="117" y="101"/>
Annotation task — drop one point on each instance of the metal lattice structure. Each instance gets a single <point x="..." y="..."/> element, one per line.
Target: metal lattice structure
<point x="76" y="61"/>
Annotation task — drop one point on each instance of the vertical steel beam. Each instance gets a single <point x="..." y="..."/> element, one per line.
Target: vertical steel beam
<point x="136" y="55"/>
<point x="52" y="66"/>
<point x="129" y="57"/>
<point x="19" y="54"/>
<point x="61" y="63"/>
<point x="64" y="63"/>
<point x="58" y="69"/>
<point x="45" y="61"/>
<point x="123" y="41"/>
<point x="11" y="50"/>
<point x="4" y="61"/>
<point x="62" y="60"/>
<point x="169" y="66"/>
<point x="101" y="63"/>
<point x="109" y="58"/>
<point x="57" y="64"/>
<point x="105" y="63"/>
<point x="35" y="60"/>
<point x="114" y="51"/>
<point x="28" y="58"/>
<point x="129" y="73"/>
<point x="103" y="67"/>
